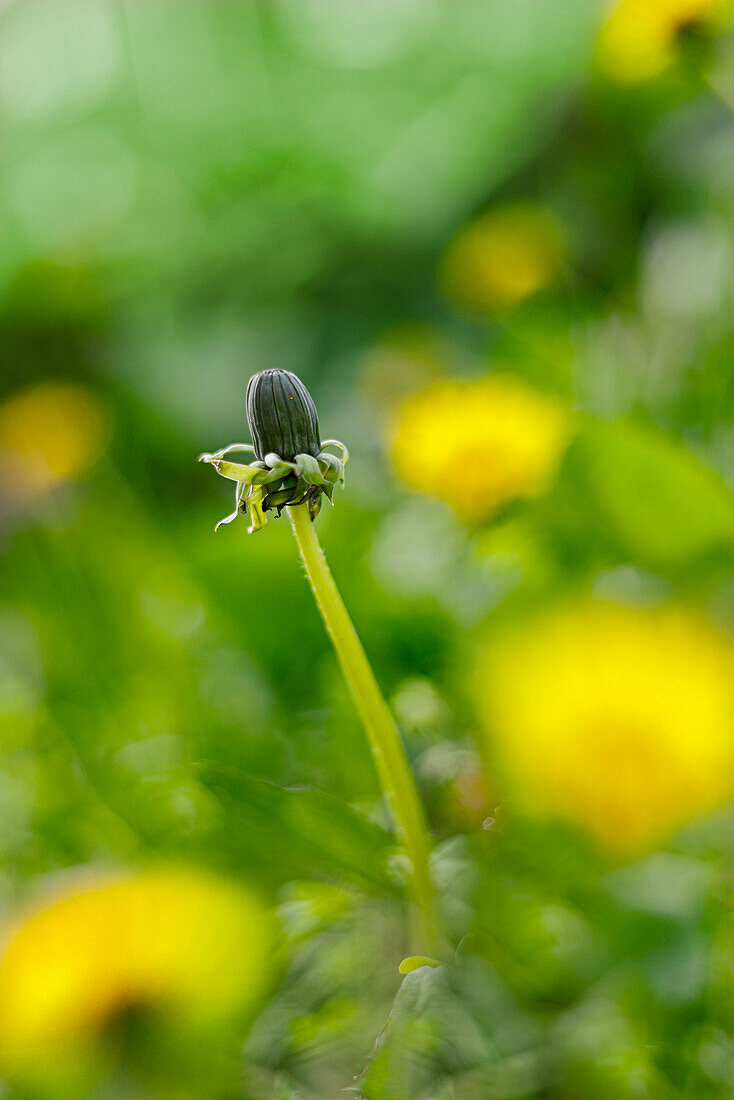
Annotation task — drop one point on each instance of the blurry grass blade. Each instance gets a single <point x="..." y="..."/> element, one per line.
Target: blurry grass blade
<point x="298" y="832"/>
<point x="415" y="962"/>
<point x="408" y="1049"/>
<point x="664" y="504"/>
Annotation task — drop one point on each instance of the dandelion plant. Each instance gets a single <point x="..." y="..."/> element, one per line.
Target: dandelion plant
<point x="294" y="470"/>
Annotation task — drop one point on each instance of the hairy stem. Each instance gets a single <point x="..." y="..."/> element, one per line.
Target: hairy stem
<point x="391" y="763"/>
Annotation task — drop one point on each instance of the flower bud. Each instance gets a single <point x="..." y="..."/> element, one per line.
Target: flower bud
<point x="282" y="416"/>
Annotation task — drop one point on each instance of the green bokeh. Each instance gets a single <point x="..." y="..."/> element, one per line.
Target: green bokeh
<point x="192" y="192"/>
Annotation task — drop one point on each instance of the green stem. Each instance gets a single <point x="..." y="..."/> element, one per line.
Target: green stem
<point x="388" y="752"/>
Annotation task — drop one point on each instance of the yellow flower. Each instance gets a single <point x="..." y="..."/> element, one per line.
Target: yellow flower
<point x="501" y="258"/>
<point x="188" y="947"/>
<point x="639" y="38"/>
<point x="49" y="433"/>
<point x="618" y="719"/>
<point x="479" y="444"/>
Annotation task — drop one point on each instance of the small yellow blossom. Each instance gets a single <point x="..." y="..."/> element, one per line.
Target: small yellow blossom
<point x="187" y="946"/>
<point x="617" y="719"/>
<point x="49" y="433"/>
<point x="638" y="41"/>
<point x="502" y="257"/>
<point x="479" y="444"/>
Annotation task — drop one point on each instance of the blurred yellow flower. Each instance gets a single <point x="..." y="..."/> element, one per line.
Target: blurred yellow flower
<point x="618" y="719"/>
<point x="188" y="946"/>
<point x="479" y="444"/>
<point x="639" y="38"/>
<point x="502" y="257"/>
<point x="48" y="433"/>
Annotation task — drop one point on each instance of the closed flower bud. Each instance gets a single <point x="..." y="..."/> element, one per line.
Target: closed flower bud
<point x="292" y="466"/>
<point x="282" y="416"/>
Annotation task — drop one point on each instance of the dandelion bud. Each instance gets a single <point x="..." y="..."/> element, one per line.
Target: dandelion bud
<point x="292" y="466"/>
<point x="282" y="416"/>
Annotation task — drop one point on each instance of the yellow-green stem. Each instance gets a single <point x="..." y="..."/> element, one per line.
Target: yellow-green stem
<point x="391" y="763"/>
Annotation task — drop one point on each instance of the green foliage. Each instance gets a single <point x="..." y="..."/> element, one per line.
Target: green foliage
<point x="192" y="193"/>
<point x="662" y="503"/>
<point x="291" y="833"/>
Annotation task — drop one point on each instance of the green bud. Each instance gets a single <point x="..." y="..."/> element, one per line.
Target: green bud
<point x="290" y="466"/>
<point x="282" y="416"/>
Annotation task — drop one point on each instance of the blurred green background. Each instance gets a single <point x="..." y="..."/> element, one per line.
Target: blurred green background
<point x="380" y="196"/>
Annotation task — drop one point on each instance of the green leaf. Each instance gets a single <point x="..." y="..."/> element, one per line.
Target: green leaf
<point x="414" y="962"/>
<point x="293" y="832"/>
<point x="407" y="1051"/>
<point x="663" y="504"/>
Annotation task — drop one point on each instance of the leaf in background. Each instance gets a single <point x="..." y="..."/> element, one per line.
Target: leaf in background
<point x="407" y="1050"/>
<point x="288" y="832"/>
<point x="662" y="502"/>
<point x="434" y="1034"/>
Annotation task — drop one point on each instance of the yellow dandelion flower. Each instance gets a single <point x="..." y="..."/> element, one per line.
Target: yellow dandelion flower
<point x="639" y="39"/>
<point x="188" y="946"/>
<point x="49" y="433"/>
<point x="478" y="445"/>
<point x="617" y="719"/>
<point x="501" y="258"/>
